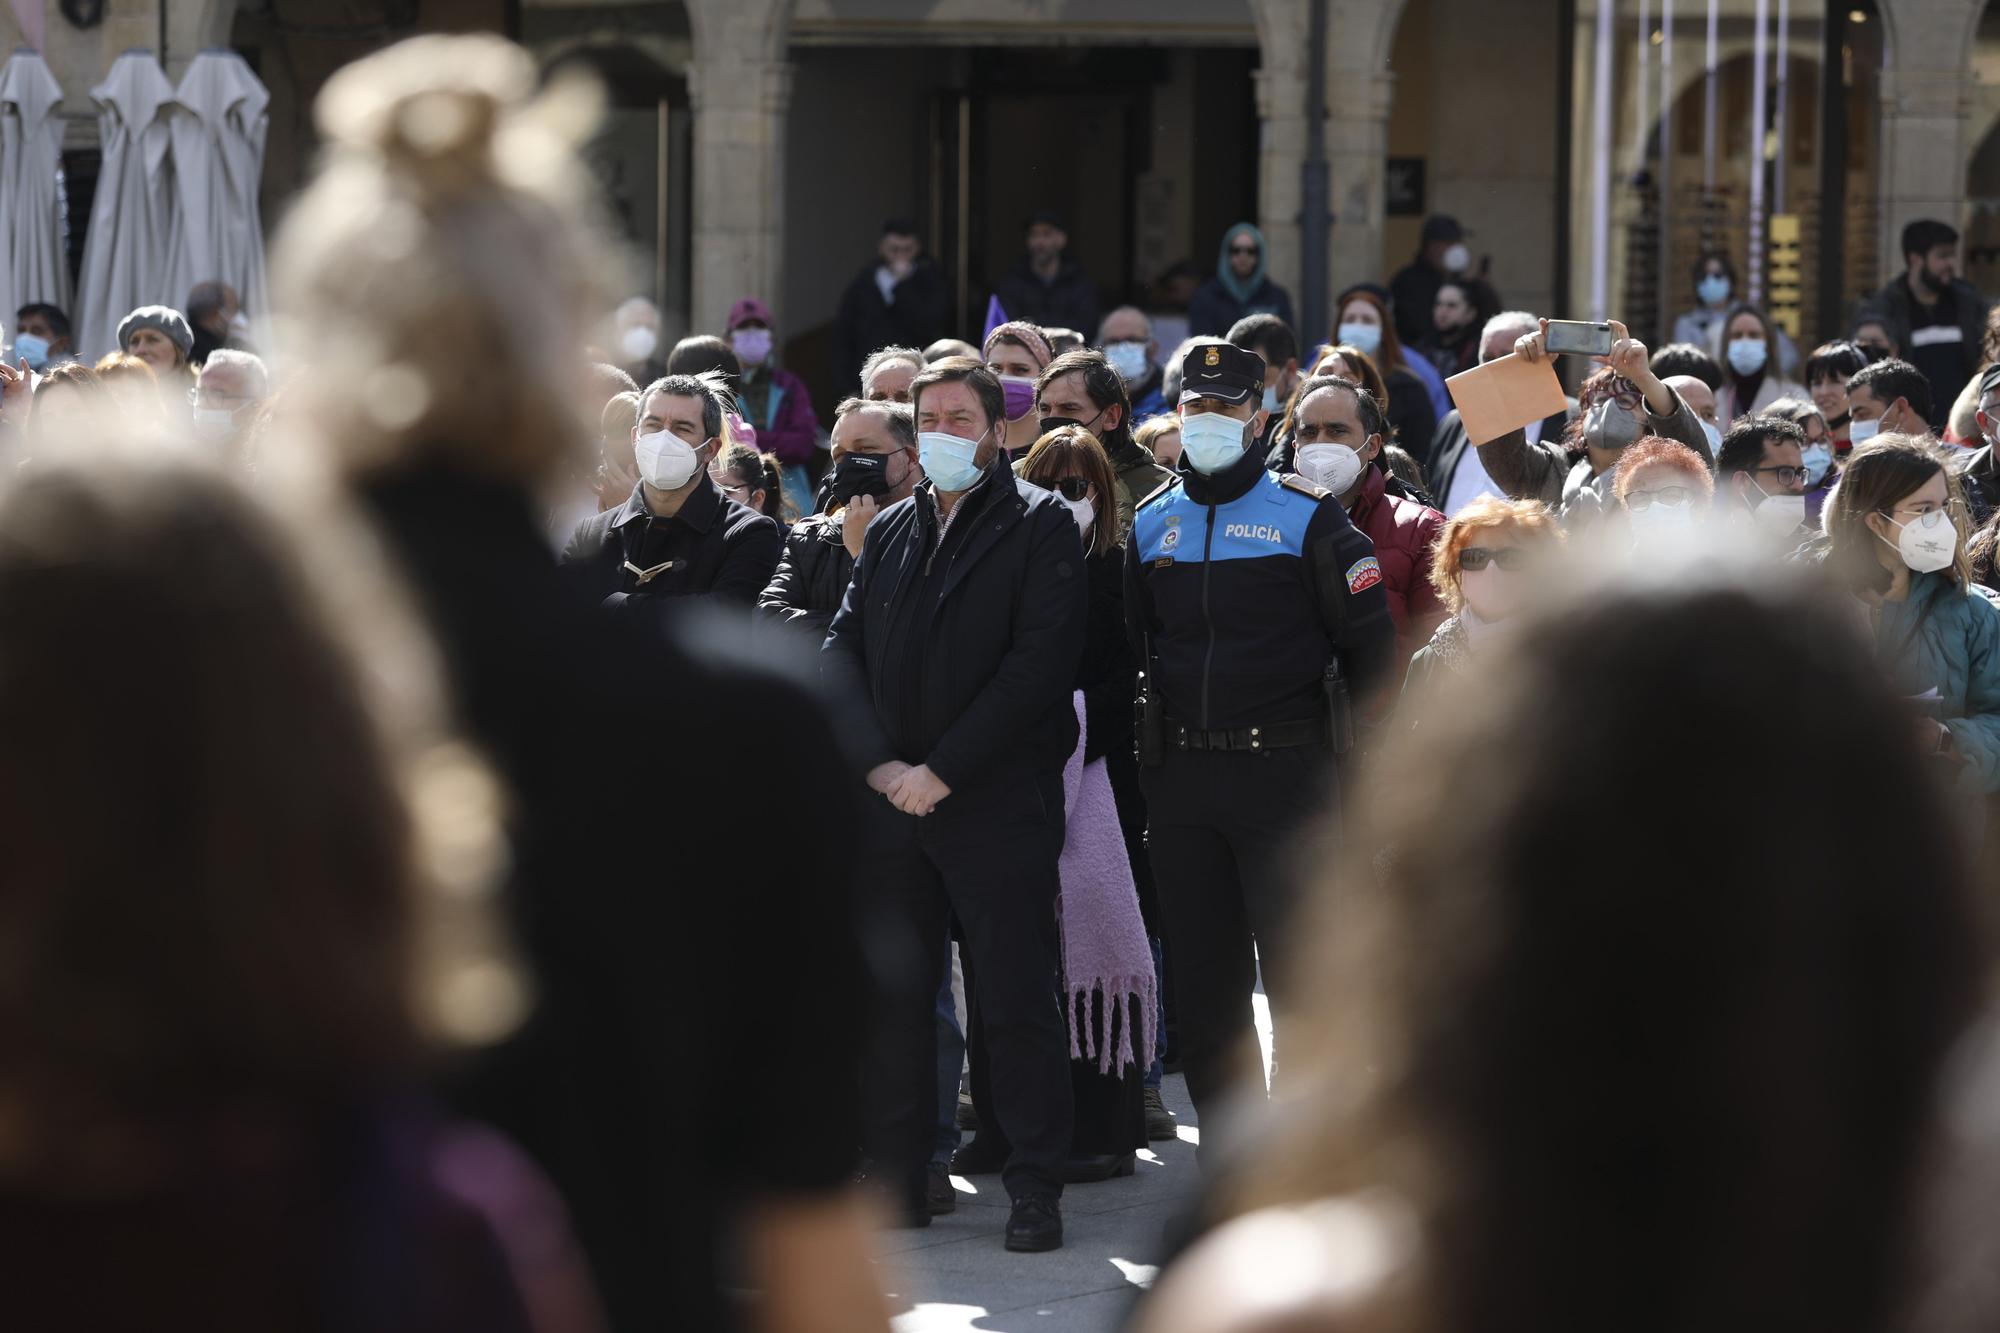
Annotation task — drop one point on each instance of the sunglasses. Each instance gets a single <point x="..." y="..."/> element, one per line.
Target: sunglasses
<point x="1475" y="558"/>
<point x="1242" y="249"/>
<point x="1671" y="496"/>
<point x="1071" y="488"/>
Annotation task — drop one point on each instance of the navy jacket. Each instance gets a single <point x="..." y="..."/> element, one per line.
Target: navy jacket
<point x="977" y="685"/>
<point x="1246" y="584"/>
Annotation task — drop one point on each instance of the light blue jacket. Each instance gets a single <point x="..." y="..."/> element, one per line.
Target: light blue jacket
<point x="1946" y="639"/>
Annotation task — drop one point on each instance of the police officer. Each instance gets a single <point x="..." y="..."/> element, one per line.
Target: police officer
<point x="1256" y="609"/>
<point x="677" y="536"/>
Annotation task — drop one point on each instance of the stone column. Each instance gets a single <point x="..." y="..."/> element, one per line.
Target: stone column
<point x="1929" y="93"/>
<point x="1358" y="89"/>
<point x="739" y="89"/>
<point x="1281" y="133"/>
<point x="1357" y="148"/>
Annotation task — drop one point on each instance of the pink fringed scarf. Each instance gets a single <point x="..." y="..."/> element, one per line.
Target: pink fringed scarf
<point x="1103" y="936"/>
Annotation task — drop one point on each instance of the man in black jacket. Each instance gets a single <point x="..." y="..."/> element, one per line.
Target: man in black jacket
<point x="1047" y="286"/>
<point x="677" y="536"/>
<point x="874" y="466"/>
<point x="951" y="662"/>
<point x="899" y="300"/>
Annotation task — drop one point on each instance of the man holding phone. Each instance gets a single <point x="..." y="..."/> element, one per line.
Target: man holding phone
<point x="874" y="466"/>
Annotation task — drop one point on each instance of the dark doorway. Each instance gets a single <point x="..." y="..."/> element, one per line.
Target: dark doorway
<point x="1072" y="131"/>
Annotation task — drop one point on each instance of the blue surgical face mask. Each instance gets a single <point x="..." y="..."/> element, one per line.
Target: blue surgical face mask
<point x="1709" y="429"/>
<point x="1366" y="338"/>
<point x="1713" y="289"/>
<point x="1746" y="355"/>
<point x="1211" y="441"/>
<point x="1129" y="360"/>
<point x="1817" y="459"/>
<point x="33" y="350"/>
<point x="948" y="460"/>
<point x="1271" y="400"/>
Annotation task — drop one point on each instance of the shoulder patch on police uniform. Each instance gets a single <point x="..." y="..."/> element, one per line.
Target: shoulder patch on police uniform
<point x="1161" y="490"/>
<point x="1292" y="481"/>
<point x="1364" y="574"/>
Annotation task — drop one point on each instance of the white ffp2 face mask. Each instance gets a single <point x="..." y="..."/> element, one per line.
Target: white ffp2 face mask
<point x="1927" y="543"/>
<point x="1334" y="466"/>
<point x="1084" y="512"/>
<point x="665" y="460"/>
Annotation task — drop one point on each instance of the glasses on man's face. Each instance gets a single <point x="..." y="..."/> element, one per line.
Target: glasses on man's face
<point x="1475" y="558"/>
<point x="1072" y="488"/>
<point x="1673" y="497"/>
<point x="1785" y="474"/>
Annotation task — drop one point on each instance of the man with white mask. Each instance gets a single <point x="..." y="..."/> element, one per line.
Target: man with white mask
<point x="678" y="536"/>
<point x="1340" y="430"/>
<point x="1258" y="615"/>
<point x="1760" y="473"/>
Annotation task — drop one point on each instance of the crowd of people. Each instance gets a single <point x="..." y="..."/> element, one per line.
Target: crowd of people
<point x="536" y="773"/>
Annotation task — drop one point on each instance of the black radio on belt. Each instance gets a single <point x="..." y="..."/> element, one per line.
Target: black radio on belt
<point x="1339" y="708"/>
<point x="1150" y="724"/>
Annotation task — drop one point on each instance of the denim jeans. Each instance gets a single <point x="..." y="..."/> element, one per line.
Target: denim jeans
<point x="950" y="1064"/>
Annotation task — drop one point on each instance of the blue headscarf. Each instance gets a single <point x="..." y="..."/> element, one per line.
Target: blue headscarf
<point x="1241" y="288"/>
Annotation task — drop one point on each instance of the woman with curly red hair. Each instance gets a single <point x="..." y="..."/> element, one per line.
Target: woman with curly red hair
<point x="1662" y="485"/>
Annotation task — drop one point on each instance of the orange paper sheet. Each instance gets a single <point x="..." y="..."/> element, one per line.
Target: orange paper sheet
<point x="1505" y="395"/>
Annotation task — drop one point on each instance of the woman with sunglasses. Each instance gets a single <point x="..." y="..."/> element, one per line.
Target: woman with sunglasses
<point x="1110" y="993"/>
<point x="1896" y="541"/>
<point x="1485" y="569"/>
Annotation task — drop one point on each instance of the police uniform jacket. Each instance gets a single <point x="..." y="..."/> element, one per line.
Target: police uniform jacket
<point x="1243" y="585"/>
<point x="713" y="548"/>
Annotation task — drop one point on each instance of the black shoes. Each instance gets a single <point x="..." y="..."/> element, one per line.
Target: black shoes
<point x="981" y="1157"/>
<point x="1160" y="1124"/>
<point x="1101" y="1166"/>
<point x="1035" y="1225"/>
<point x="939" y="1197"/>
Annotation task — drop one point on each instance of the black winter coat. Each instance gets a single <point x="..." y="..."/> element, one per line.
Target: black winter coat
<point x="812" y="577"/>
<point x="1070" y="302"/>
<point x="714" y="550"/>
<point x="977" y="686"/>
<point x="1109" y="679"/>
<point x="866" y="323"/>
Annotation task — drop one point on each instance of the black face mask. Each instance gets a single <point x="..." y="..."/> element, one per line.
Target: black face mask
<point x="1057" y="423"/>
<point x="859" y="474"/>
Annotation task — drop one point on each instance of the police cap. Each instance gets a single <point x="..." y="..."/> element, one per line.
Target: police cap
<point x="1222" y="371"/>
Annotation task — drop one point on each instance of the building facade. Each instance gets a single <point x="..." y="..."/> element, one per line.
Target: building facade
<point x="1593" y="147"/>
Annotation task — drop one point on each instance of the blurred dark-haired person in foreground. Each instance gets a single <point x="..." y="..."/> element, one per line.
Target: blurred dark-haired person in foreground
<point x="213" y="1023"/>
<point x="1562" y="1080"/>
<point x="1897" y="544"/>
<point x="659" y="959"/>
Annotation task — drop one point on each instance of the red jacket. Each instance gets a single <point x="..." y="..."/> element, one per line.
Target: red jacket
<point x="1404" y="534"/>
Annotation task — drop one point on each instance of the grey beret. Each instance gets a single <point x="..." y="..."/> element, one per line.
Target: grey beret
<point x="160" y="319"/>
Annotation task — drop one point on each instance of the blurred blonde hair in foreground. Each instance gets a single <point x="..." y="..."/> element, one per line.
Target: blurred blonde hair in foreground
<point x="435" y="286"/>
<point x="1603" y="1033"/>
